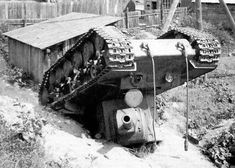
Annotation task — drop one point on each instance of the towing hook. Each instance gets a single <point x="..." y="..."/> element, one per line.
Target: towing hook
<point x="145" y="47"/>
<point x="181" y="47"/>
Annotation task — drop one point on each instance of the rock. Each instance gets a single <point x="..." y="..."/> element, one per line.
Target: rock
<point x="28" y="136"/>
<point x="192" y="138"/>
<point x="232" y="129"/>
<point x="98" y="136"/>
<point x="233" y="53"/>
<point x="164" y="115"/>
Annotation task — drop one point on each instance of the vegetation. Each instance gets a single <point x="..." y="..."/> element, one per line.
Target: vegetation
<point x="3" y="41"/>
<point x="19" y="145"/>
<point x="218" y="149"/>
<point x="218" y="31"/>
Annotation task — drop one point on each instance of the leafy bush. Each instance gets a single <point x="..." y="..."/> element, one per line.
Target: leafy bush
<point x="218" y="149"/>
<point x="3" y="42"/>
<point x="16" y="75"/>
<point x="18" y="151"/>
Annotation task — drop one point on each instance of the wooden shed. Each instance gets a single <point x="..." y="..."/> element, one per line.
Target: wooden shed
<point x="35" y="48"/>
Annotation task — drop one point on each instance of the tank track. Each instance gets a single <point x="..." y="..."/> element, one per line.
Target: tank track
<point x="114" y="54"/>
<point x="208" y="48"/>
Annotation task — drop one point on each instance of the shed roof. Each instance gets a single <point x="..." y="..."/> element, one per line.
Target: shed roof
<point x="47" y="33"/>
<point x="217" y="1"/>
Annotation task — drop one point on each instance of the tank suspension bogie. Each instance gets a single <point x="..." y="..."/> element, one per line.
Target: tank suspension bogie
<point x="77" y="60"/>
<point x="86" y="61"/>
<point x="87" y="53"/>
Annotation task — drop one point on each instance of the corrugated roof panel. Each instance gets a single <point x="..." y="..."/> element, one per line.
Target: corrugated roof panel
<point x="217" y="1"/>
<point x="56" y="30"/>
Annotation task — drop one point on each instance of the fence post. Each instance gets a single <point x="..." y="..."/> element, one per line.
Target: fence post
<point x="199" y="23"/>
<point x="6" y="10"/>
<point x="126" y="18"/>
<point x="199" y="14"/>
<point x="25" y="17"/>
<point x="229" y="15"/>
<point x="170" y="15"/>
<point x="161" y="11"/>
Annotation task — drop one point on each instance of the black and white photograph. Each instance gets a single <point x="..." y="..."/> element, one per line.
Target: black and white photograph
<point x="117" y="83"/>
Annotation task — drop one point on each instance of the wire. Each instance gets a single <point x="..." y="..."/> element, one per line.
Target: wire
<point x="187" y="95"/>
<point x="154" y="96"/>
<point x="181" y="47"/>
<point x="146" y="48"/>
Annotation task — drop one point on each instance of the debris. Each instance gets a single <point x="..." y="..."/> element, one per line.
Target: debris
<point x="98" y="136"/>
<point x="218" y="149"/>
<point x="193" y="139"/>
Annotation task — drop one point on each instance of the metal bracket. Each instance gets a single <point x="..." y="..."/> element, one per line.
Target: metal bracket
<point x="145" y="47"/>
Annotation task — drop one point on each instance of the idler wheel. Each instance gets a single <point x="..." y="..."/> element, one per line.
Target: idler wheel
<point x="77" y="60"/>
<point x="99" y="43"/>
<point x="88" y="52"/>
<point x="67" y="68"/>
<point x="52" y="78"/>
<point x="59" y="74"/>
<point x="94" y="71"/>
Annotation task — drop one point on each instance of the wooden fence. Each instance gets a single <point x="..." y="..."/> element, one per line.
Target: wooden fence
<point x="148" y="18"/>
<point x="32" y="10"/>
<point x="20" y="14"/>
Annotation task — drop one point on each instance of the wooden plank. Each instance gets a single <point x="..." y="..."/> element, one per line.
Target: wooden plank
<point x="27" y="57"/>
<point x="20" y="53"/>
<point x="3" y="10"/>
<point x="42" y="11"/>
<point x="37" y="61"/>
<point x="11" y="48"/>
<point x="40" y="58"/>
<point x="133" y="19"/>
<point x="16" y="9"/>
<point x="21" y="56"/>
<point x="15" y="52"/>
<point x="34" y="63"/>
<point x="76" y="6"/>
<point x="6" y="11"/>
<point x="170" y="15"/>
<point x="17" y="61"/>
<point x="150" y="17"/>
<point x="229" y="15"/>
<point x="24" y="57"/>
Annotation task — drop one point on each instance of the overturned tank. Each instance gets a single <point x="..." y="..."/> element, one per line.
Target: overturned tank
<point x="117" y="75"/>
